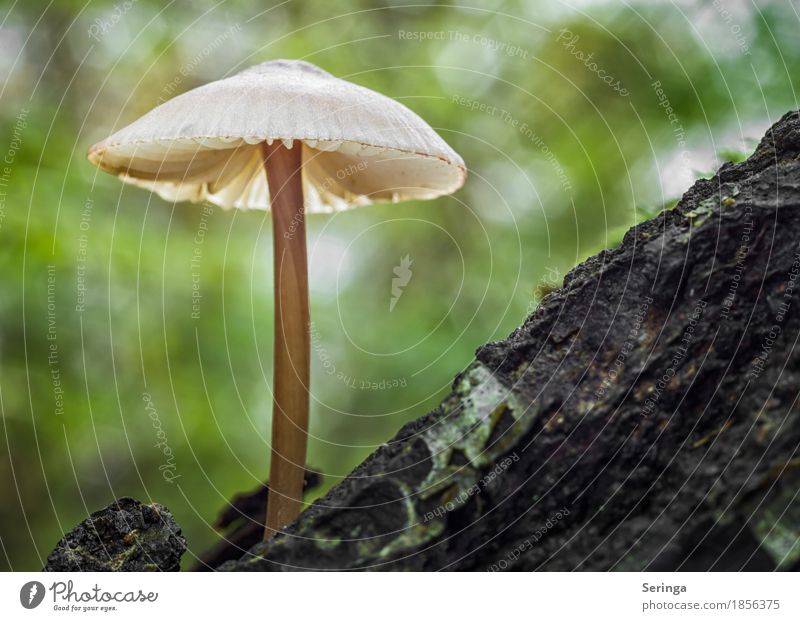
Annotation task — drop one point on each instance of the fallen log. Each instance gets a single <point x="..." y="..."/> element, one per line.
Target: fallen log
<point x="644" y="416"/>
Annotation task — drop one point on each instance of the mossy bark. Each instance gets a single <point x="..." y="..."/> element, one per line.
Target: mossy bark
<point x="644" y="416"/>
<point x="127" y="535"/>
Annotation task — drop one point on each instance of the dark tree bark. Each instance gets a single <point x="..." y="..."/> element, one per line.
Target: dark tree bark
<point x="127" y="535"/>
<point x="645" y="416"/>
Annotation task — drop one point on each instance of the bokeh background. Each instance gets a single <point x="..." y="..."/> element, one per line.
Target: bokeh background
<point x="110" y="386"/>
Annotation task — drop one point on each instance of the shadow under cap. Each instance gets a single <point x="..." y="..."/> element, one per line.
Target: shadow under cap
<point x="358" y="146"/>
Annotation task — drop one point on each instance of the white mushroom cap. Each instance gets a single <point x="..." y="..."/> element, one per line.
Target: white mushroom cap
<point x="358" y="146"/>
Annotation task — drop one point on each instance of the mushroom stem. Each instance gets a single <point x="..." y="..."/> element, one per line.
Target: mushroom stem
<point x="292" y="341"/>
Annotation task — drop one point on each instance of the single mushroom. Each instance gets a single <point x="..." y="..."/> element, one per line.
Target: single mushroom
<point x="325" y="145"/>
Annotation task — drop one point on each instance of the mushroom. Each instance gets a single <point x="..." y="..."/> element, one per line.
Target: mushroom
<point x="326" y="145"/>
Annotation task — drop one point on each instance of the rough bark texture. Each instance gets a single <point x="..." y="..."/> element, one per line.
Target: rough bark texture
<point x="125" y="536"/>
<point x="645" y="415"/>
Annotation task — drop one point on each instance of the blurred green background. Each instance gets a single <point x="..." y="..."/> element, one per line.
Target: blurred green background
<point x="568" y="142"/>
